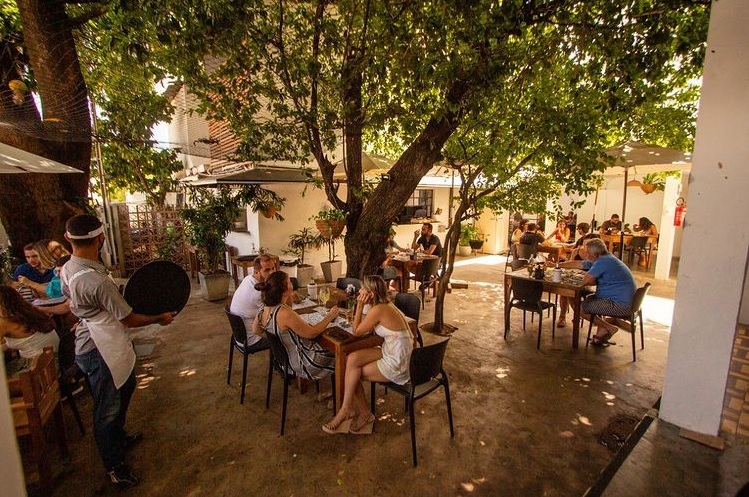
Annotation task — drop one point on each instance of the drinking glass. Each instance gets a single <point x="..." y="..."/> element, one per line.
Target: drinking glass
<point x="323" y="295"/>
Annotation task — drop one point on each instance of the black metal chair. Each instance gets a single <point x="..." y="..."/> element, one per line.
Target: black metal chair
<point x="428" y="277"/>
<point x="342" y="283"/>
<point x="238" y="341"/>
<point x="631" y="318"/>
<point x="637" y="245"/>
<point x="526" y="295"/>
<point x="294" y="283"/>
<point x="70" y="375"/>
<point x="427" y="375"/>
<point x="410" y="306"/>
<point x="280" y="357"/>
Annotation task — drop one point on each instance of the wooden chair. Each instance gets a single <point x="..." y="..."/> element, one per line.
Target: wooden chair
<point x="629" y="320"/>
<point x="38" y="404"/>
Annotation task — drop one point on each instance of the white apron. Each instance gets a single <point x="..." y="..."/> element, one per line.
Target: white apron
<point x="112" y="340"/>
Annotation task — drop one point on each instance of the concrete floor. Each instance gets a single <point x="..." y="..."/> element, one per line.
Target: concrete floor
<point x="527" y="421"/>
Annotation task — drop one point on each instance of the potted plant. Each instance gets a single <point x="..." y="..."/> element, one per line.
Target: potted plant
<point x="332" y="269"/>
<point x="298" y="244"/>
<point x="330" y="223"/>
<point x="208" y="219"/>
<point x="468" y="232"/>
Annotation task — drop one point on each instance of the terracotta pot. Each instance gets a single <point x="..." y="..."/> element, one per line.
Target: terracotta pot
<point x="647" y="187"/>
<point x="269" y="212"/>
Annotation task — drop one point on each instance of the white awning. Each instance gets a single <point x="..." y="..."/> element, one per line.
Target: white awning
<point x="16" y="161"/>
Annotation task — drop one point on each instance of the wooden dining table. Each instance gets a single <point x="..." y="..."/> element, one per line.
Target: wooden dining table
<point x="341" y="343"/>
<point x="406" y="265"/>
<point x="610" y="239"/>
<point x="571" y="287"/>
<point x="556" y="251"/>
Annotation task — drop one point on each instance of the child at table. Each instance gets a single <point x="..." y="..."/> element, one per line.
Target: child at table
<point x="388" y="363"/>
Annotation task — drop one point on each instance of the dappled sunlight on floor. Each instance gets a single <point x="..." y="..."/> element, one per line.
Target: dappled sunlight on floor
<point x="486" y="260"/>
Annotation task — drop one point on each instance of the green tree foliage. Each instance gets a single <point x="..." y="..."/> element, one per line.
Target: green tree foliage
<point x="295" y="79"/>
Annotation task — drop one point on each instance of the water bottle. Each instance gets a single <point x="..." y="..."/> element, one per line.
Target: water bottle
<point x="556" y="275"/>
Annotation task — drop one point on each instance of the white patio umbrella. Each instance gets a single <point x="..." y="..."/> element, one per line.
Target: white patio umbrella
<point x="647" y="158"/>
<point x="16" y="161"/>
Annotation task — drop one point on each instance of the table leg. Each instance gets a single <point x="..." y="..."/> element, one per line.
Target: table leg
<point x="575" y="320"/>
<point x="508" y="284"/>
<point x="340" y="374"/>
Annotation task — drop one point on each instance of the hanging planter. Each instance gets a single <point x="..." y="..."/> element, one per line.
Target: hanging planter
<point x="330" y="223"/>
<point x="270" y="211"/>
<point x="648" y="187"/>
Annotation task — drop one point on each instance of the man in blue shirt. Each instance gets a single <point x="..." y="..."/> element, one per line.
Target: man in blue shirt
<point x="615" y="287"/>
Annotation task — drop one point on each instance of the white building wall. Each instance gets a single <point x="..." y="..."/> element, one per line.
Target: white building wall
<point x="709" y="288"/>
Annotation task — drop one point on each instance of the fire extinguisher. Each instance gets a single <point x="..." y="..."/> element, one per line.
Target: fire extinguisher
<point x="681" y="211"/>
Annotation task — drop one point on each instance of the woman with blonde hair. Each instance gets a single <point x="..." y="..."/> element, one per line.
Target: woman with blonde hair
<point x="390" y="362"/>
<point x="49" y="251"/>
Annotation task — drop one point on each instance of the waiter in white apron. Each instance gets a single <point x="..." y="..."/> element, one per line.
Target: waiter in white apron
<point x="102" y="346"/>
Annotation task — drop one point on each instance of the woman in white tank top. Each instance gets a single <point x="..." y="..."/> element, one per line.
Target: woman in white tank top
<point x="387" y="363"/>
<point x="24" y="327"/>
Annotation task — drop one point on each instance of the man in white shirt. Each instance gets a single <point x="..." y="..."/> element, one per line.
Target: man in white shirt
<point x="246" y="300"/>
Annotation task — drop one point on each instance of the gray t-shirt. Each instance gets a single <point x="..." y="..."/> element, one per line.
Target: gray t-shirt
<point x="93" y="291"/>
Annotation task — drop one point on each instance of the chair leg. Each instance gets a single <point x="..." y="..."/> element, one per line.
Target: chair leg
<point x="270" y="378"/>
<point x="68" y="394"/>
<point x="449" y="404"/>
<point x="633" y="330"/>
<point x="590" y="329"/>
<point x="412" y="419"/>
<point x="231" y="359"/>
<point x="642" y="331"/>
<point x="285" y="399"/>
<point x="332" y="389"/>
<point x="540" y="322"/>
<point x="372" y="396"/>
<point x="553" y="321"/>
<point x="244" y="377"/>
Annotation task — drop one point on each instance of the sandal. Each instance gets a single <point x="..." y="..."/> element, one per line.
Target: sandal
<point x="342" y="427"/>
<point x="602" y="340"/>
<point x="561" y="323"/>
<point x="365" y="428"/>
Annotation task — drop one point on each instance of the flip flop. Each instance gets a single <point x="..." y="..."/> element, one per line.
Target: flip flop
<point x="343" y="427"/>
<point x="366" y="429"/>
<point x="602" y="341"/>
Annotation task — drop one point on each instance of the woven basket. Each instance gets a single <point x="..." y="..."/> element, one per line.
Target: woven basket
<point x="330" y="228"/>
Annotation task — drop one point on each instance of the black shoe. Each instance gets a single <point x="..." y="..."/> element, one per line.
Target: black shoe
<point x="131" y="439"/>
<point x="122" y="477"/>
<point x="422" y="286"/>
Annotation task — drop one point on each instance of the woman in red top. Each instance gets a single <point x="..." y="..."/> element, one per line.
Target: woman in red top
<point x="561" y="234"/>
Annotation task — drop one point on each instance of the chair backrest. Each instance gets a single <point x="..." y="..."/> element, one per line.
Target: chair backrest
<point x="238" y="328"/>
<point x="525" y="251"/>
<point x="41" y="391"/>
<point x="430" y="268"/>
<point x="639" y="242"/>
<point x="426" y="362"/>
<point x="409" y="304"/>
<point x="294" y="283"/>
<point x="516" y="264"/>
<point x="639" y="297"/>
<point x="278" y="350"/>
<point x="66" y="354"/>
<point x="342" y="283"/>
<point x="528" y="291"/>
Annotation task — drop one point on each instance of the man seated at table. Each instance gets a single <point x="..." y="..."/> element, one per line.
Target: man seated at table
<point x="532" y="235"/>
<point x="615" y="288"/>
<point x="428" y="241"/>
<point x="32" y="270"/>
<point x="246" y="301"/>
<point x="613" y="224"/>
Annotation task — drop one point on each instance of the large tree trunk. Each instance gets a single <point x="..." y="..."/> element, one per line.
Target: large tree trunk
<point x="35" y="206"/>
<point x="365" y="243"/>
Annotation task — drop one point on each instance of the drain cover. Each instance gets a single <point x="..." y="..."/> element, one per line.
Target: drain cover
<point x="617" y="431"/>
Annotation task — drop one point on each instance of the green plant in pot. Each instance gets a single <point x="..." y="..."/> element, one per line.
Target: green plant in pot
<point x="208" y="219"/>
<point x="332" y="269"/>
<point x="299" y="242"/>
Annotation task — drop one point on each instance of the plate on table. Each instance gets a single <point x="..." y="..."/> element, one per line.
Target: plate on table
<point x="158" y="287"/>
